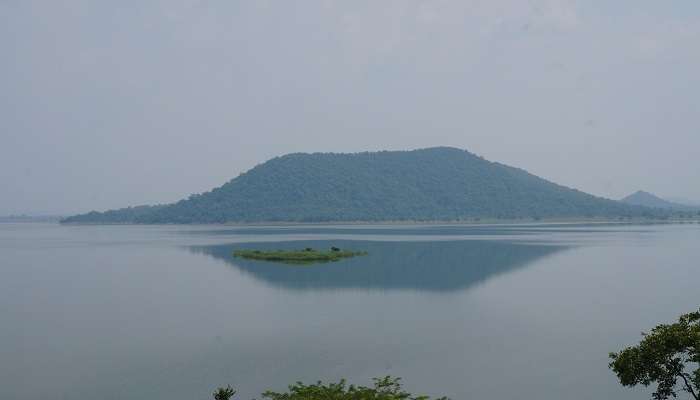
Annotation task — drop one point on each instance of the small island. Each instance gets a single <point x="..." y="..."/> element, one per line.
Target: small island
<point x="304" y="256"/>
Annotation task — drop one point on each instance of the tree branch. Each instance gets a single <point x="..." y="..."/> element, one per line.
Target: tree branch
<point x="688" y="387"/>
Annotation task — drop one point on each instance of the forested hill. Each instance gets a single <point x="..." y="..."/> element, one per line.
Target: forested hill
<point x="435" y="184"/>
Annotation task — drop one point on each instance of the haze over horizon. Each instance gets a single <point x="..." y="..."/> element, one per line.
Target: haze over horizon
<point x="109" y="105"/>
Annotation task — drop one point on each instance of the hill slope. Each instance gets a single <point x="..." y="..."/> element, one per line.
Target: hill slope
<point x="646" y="199"/>
<point x="424" y="185"/>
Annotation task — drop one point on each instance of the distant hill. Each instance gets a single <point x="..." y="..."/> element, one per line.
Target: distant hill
<point x="122" y="215"/>
<point x="646" y="199"/>
<point x="30" y="218"/>
<point x="684" y="201"/>
<point x="435" y="184"/>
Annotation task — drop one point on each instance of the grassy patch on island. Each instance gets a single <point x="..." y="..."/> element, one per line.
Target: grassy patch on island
<point x="303" y="256"/>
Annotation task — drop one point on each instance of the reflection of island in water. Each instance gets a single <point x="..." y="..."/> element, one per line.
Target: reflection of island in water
<point x="431" y="266"/>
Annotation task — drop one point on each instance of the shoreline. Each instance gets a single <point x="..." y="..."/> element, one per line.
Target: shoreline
<point x="481" y="222"/>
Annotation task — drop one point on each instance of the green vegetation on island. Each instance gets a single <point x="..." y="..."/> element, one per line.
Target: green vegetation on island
<point x="304" y="256"/>
<point x="663" y="357"/>
<point x="386" y="388"/>
<point x="435" y="184"/>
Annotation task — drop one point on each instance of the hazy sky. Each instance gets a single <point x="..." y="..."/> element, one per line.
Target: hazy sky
<point x="109" y="104"/>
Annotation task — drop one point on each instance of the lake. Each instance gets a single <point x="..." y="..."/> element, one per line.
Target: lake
<point x="471" y="312"/>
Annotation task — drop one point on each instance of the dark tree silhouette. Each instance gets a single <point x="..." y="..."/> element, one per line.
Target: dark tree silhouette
<point x="224" y="393"/>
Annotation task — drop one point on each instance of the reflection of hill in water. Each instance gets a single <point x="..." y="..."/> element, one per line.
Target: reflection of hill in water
<point x="421" y="230"/>
<point x="432" y="266"/>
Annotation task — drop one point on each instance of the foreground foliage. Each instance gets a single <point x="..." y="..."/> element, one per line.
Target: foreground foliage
<point x="662" y="358"/>
<point x="224" y="393"/>
<point x="386" y="388"/>
<point x="305" y="256"/>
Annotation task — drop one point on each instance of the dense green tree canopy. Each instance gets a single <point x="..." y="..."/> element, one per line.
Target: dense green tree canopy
<point x="665" y="356"/>
<point x="386" y="388"/>
<point x="437" y="184"/>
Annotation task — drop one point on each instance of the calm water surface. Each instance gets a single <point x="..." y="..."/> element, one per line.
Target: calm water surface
<point x="486" y="312"/>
